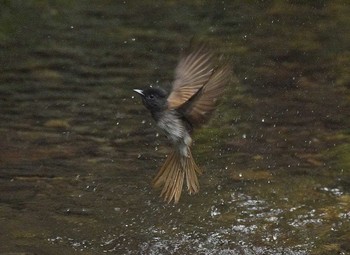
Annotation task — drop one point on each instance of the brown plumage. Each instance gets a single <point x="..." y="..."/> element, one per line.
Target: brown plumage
<point x="198" y="84"/>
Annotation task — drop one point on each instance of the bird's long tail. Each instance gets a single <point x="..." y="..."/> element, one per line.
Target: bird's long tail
<point x="171" y="176"/>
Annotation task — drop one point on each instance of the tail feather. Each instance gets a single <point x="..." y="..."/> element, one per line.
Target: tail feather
<point x="191" y="170"/>
<point x="174" y="192"/>
<point x="163" y="173"/>
<point x="171" y="184"/>
<point x="171" y="176"/>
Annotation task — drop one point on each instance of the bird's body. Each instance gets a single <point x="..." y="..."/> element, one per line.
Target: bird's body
<point x="176" y="130"/>
<point x="197" y="86"/>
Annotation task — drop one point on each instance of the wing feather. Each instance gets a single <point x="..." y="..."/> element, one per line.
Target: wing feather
<point x="198" y="108"/>
<point x="194" y="69"/>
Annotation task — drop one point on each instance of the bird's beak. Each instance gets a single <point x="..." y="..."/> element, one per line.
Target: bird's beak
<point x="139" y="91"/>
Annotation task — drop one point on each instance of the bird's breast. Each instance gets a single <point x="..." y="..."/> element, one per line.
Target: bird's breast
<point x="173" y="126"/>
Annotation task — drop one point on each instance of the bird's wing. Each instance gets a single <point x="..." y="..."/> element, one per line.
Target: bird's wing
<point x="192" y="72"/>
<point x="198" y="108"/>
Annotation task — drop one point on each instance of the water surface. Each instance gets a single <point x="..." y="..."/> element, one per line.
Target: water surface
<point x="78" y="150"/>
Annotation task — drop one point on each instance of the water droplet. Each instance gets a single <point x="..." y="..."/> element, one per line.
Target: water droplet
<point x="214" y="211"/>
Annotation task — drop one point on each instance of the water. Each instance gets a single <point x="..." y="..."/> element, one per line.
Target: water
<point x="78" y="150"/>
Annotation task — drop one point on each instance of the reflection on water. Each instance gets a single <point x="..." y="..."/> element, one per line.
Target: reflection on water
<point x="78" y="151"/>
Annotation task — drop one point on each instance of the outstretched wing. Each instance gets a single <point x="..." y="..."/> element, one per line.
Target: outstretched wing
<point x="198" y="108"/>
<point x="192" y="72"/>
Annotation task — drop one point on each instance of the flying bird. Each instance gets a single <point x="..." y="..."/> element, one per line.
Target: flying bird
<point x="199" y="82"/>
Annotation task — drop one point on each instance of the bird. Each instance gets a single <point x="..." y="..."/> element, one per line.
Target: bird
<point x="200" y="80"/>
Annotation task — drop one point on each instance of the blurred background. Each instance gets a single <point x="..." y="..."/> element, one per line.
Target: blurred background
<point x="78" y="150"/>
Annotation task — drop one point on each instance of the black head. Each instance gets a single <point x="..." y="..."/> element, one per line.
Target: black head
<point x="154" y="99"/>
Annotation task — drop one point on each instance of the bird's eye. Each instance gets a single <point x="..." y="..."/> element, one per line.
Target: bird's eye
<point x="151" y="96"/>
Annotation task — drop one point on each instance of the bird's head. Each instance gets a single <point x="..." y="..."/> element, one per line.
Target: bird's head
<point x="154" y="99"/>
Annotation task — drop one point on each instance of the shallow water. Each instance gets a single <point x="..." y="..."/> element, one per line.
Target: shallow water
<point x="78" y="150"/>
